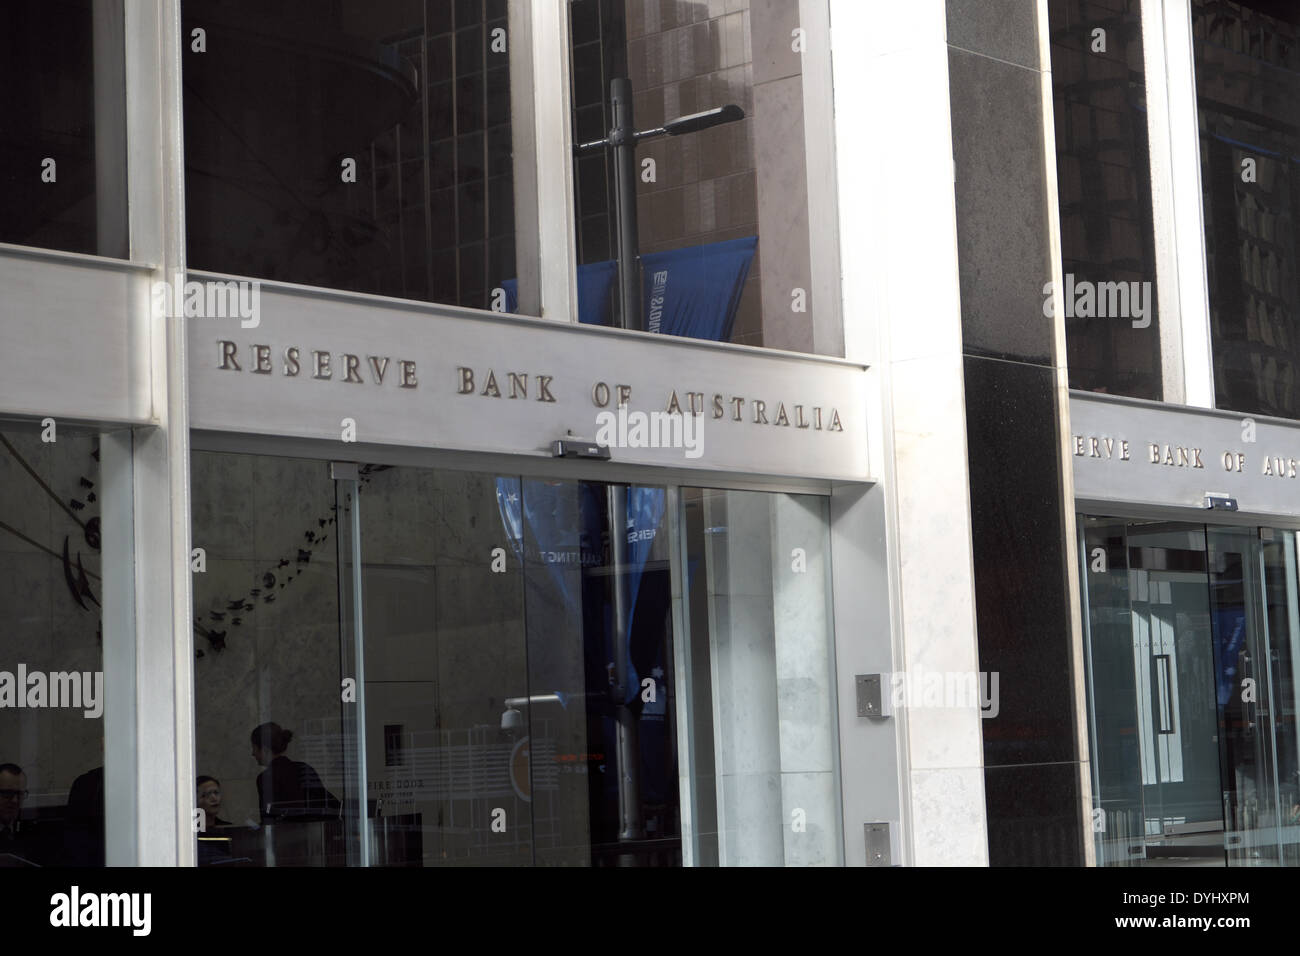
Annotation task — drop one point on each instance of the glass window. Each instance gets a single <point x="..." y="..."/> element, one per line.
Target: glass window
<point x="1192" y="635"/>
<point x="63" y="127"/>
<point x="271" y="726"/>
<point x="1247" y="56"/>
<point x="761" y="660"/>
<point x="51" y="657"/>
<point x="1104" y="186"/>
<point x="352" y="146"/>
<point x="721" y="203"/>
<point x="494" y="662"/>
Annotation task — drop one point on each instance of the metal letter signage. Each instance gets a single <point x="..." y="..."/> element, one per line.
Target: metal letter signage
<point x="1137" y="452"/>
<point x="469" y="381"/>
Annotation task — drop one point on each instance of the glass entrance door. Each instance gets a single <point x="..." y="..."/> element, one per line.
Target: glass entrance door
<point x="442" y="667"/>
<point x="1190" y="635"/>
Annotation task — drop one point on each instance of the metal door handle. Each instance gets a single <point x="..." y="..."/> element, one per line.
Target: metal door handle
<point x="1165" y="693"/>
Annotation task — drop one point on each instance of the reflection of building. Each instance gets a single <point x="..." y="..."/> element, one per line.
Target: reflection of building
<point x="373" y="509"/>
<point x="420" y="104"/>
<point x="1246" y="75"/>
<point x="683" y="59"/>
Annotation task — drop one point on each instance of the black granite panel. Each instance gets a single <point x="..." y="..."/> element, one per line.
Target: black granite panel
<point x="1022" y="597"/>
<point x="1034" y="815"/>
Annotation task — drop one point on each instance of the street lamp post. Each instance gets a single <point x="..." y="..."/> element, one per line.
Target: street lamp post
<point x="622" y="139"/>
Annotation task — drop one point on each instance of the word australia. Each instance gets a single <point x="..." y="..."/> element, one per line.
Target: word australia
<point x="293" y="362"/>
<point x="757" y="411"/>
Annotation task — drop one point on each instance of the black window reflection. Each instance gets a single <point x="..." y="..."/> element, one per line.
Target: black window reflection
<point x="1248" y="93"/>
<point x="63" y="127"/>
<point x="1104" y="184"/>
<point x="352" y="146"/>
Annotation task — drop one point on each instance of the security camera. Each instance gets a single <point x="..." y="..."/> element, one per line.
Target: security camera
<point x="1220" y="502"/>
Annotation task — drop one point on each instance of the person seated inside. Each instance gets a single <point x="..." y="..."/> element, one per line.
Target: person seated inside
<point x="287" y="789"/>
<point x="209" y="801"/>
<point x="19" y="841"/>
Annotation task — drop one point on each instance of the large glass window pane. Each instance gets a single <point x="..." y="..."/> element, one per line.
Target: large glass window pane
<point x="448" y="754"/>
<point x="51" y="657"/>
<point x="1191" y="637"/>
<point x="63" y="126"/>
<point x="519" y="688"/>
<point x="760" y="658"/>
<point x="721" y="211"/>
<point x="1118" y="828"/>
<point x="495" y="661"/>
<point x="1248" y="94"/>
<point x="1282" y="614"/>
<point x="1104" y="183"/>
<point x="273" y="723"/>
<point x="1247" y="712"/>
<point x="1156" y="699"/>
<point x="361" y="146"/>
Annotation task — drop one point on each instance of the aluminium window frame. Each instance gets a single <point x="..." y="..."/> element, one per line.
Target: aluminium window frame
<point x="1178" y="212"/>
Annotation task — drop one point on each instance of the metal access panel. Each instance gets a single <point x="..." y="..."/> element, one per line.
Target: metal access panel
<point x="879" y="844"/>
<point x="871" y="701"/>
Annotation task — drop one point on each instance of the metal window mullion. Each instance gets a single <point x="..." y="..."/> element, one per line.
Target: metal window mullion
<point x="819" y="146"/>
<point x="1177" y="211"/>
<point x="1189" y="209"/>
<point x="523" y="143"/>
<point x="683" y="689"/>
<point x="553" y="141"/>
<point x="162" y="748"/>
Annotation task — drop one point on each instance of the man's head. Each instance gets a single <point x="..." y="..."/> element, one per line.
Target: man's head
<point x="13" y="790"/>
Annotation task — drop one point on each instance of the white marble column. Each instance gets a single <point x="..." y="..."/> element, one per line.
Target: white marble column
<point x="898" y="246"/>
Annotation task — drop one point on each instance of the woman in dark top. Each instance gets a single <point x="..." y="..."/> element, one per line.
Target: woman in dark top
<point x="287" y="788"/>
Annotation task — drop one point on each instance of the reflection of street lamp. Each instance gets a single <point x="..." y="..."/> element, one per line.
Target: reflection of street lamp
<point x="623" y="139"/>
<point x="512" y="720"/>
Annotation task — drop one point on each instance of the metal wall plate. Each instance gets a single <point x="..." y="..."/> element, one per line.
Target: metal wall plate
<point x="879" y="849"/>
<point x="870" y="689"/>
